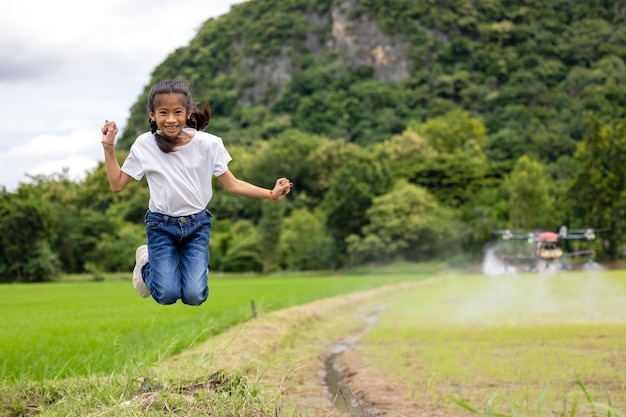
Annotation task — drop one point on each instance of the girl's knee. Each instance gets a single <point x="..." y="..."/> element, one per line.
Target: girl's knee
<point x="166" y="297"/>
<point x="195" y="299"/>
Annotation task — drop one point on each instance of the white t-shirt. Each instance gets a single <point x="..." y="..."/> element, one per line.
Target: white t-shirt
<point x="179" y="181"/>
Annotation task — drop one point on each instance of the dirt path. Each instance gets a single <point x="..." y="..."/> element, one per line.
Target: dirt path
<point x="285" y="351"/>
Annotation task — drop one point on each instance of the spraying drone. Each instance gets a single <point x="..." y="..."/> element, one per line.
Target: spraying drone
<point x="547" y="247"/>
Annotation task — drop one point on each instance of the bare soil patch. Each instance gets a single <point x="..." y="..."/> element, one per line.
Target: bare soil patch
<point x="284" y="351"/>
<point x="388" y="396"/>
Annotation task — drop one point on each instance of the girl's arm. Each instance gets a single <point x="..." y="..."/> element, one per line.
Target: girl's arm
<point x="239" y="187"/>
<point x="117" y="179"/>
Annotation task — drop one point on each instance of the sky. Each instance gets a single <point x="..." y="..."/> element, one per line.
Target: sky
<point x="66" y="66"/>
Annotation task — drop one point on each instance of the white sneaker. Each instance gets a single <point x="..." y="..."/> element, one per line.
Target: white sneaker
<point x="141" y="258"/>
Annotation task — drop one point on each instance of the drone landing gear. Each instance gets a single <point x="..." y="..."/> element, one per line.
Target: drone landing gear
<point x="566" y="267"/>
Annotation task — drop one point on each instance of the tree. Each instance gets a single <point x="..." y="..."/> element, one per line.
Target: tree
<point x="324" y="163"/>
<point x="286" y="155"/>
<point x="305" y="243"/>
<point x="355" y="184"/>
<point x="269" y="231"/>
<point x="452" y="178"/>
<point x="225" y="205"/>
<point x="403" y="153"/>
<point x="454" y="131"/>
<point x="115" y="251"/>
<point x="243" y="254"/>
<point x="25" y="232"/>
<point x="42" y="264"/>
<point x="530" y="205"/>
<point x="600" y="184"/>
<point x="408" y="223"/>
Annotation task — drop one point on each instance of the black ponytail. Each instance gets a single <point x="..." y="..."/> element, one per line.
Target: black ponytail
<point x="200" y="117"/>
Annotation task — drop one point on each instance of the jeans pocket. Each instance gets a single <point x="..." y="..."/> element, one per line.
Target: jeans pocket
<point x="205" y="222"/>
<point x="152" y="225"/>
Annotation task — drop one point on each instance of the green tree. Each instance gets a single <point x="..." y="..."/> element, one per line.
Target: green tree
<point x="115" y="251"/>
<point x="452" y="178"/>
<point x="269" y="231"/>
<point x="355" y="184"/>
<point x="305" y="243"/>
<point x="25" y="232"/>
<point x="224" y="205"/>
<point x="582" y="41"/>
<point x="485" y="211"/>
<point x="454" y="131"/>
<point x="530" y="204"/>
<point x="243" y="254"/>
<point x="324" y="162"/>
<point x="85" y="234"/>
<point x="600" y="184"/>
<point x="286" y="155"/>
<point x="406" y="223"/>
<point x="42" y="264"/>
<point x="403" y="153"/>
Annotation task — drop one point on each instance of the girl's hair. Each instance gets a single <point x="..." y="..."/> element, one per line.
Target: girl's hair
<point x="197" y="118"/>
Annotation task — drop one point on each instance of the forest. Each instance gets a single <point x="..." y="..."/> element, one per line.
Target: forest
<point x="411" y="129"/>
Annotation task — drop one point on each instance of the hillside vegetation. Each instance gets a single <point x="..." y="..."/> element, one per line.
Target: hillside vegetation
<point x="364" y="70"/>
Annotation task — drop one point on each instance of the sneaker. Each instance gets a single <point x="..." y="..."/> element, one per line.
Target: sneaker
<point x="141" y="258"/>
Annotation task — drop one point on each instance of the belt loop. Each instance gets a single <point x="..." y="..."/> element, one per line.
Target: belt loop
<point x="165" y="218"/>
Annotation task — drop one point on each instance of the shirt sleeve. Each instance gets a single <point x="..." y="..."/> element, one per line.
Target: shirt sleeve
<point x="222" y="159"/>
<point x="132" y="165"/>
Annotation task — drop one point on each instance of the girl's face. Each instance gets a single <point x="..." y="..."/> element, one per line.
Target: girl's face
<point x="170" y="114"/>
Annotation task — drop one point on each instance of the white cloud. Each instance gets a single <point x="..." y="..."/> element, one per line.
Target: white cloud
<point x="67" y="65"/>
<point x="78" y="152"/>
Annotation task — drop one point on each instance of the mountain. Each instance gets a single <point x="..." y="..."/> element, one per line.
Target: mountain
<point x="362" y="70"/>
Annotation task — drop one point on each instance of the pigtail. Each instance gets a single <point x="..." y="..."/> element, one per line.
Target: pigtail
<point x="164" y="144"/>
<point x="200" y="117"/>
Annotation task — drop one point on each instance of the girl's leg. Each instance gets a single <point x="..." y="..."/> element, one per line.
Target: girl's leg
<point x="162" y="272"/>
<point x="194" y="259"/>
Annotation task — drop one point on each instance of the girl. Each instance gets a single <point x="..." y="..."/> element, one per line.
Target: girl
<point x="178" y="163"/>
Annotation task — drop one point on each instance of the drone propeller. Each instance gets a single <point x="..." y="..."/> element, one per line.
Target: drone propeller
<point x="602" y="229"/>
<point x="589" y="233"/>
<point x="508" y="235"/>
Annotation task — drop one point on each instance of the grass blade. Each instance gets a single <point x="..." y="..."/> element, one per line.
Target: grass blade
<point x="582" y="386"/>
<point x="542" y="398"/>
<point x="609" y="409"/>
<point x="514" y="408"/>
<point x="466" y="406"/>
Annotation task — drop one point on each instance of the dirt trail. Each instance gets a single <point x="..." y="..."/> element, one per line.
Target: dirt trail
<point x="285" y="350"/>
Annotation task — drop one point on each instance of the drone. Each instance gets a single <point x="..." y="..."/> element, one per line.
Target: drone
<point x="547" y="248"/>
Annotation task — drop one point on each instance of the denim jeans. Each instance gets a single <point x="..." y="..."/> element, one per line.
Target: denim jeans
<point x="178" y="257"/>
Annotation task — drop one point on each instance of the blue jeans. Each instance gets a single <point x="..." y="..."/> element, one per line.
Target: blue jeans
<point x="178" y="257"/>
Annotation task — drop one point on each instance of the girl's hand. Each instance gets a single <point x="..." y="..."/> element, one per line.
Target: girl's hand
<point x="109" y="131"/>
<point x="281" y="189"/>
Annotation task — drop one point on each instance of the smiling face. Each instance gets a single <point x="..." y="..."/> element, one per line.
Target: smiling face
<point x="170" y="114"/>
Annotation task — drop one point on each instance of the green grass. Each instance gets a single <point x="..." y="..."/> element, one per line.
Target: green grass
<point x="60" y="330"/>
<point x="516" y="345"/>
<point x="497" y="343"/>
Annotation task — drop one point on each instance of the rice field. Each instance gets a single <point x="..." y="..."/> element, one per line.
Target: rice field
<point x="545" y="344"/>
<point x="59" y="330"/>
<point x="548" y="344"/>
